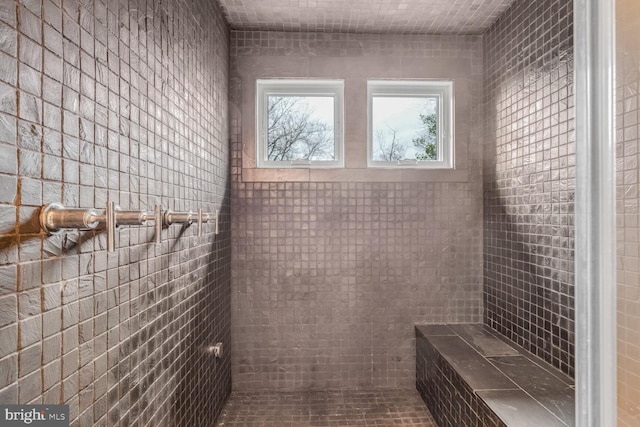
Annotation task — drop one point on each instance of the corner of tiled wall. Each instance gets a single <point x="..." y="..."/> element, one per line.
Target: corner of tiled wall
<point x="529" y="178"/>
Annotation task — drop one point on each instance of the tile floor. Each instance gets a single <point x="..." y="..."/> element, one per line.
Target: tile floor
<point x="381" y="407"/>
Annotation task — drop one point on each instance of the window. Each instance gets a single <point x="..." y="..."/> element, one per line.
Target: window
<point x="410" y="124"/>
<point x="299" y="123"/>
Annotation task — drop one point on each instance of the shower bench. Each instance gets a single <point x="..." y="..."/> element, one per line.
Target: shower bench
<point x="469" y="375"/>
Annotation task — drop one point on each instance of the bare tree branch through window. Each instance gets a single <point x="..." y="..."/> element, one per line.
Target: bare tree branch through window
<point x="295" y="132"/>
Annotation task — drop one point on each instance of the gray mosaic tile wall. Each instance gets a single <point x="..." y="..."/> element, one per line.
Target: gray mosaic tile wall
<point x="628" y="225"/>
<point x="124" y="100"/>
<point x="329" y="278"/>
<point x="529" y="178"/>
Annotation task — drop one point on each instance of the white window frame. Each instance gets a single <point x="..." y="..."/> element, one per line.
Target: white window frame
<point x="299" y="87"/>
<point x="441" y="89"/>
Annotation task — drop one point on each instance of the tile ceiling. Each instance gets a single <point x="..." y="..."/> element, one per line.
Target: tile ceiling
<point x="365" y="16"/>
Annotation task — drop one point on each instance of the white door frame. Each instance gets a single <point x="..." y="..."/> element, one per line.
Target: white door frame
<point x="595" y="262"/>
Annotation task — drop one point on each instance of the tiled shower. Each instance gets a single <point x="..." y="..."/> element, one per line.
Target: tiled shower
<point x="317" y="277"/>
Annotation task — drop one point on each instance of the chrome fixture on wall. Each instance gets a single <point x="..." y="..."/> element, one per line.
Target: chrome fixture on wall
<point x="204" y="217"/>
<point x="54" y="218"/>
<point x="170" y="218"/>
<point x="190" y="217"/>
<point x="141" y="218"/>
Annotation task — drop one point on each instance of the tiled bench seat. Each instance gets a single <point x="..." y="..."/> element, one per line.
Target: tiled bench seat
<point x="468" y="376"/>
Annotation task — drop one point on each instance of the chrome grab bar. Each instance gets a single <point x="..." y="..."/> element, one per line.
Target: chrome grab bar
<point x="54" y="217"/>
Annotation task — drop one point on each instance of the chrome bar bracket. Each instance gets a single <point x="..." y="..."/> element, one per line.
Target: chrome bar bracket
<point x="111" y="224"/>
<point x="207" y="217"/>
<point x="157" y="215"/>
<point x="200" y="221"/>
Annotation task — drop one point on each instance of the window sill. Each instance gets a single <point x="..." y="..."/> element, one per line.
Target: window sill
<point x="353" y="175"/>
